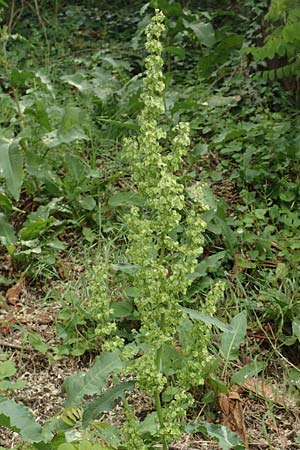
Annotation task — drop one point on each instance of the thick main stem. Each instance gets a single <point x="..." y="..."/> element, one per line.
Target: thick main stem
<point x="157" y="400"/>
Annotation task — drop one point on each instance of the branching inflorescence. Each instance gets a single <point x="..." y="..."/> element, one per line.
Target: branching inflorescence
<point x="165" y="238"/>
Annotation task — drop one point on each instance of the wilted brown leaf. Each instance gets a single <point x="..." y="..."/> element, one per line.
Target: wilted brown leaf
<point x="13" y="293"/>
<point x="268" y="391"/>
<point x="231" y="406"/>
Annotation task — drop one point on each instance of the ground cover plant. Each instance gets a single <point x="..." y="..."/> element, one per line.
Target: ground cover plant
<point x="149" y="225"/>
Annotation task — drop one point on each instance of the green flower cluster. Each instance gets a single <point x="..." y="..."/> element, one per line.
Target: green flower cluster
<point x="163" y="242"/>
<point x="165" y="239"/>
<point x="99" y="300"/>
<point x="133" y="439"/>
<point x="196" y="351"/>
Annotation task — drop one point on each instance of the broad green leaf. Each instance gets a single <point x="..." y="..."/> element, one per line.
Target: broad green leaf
<point x="70" y="128"/>
<point x="227" y="440"/>
<point x="196" y="315"/>
<point x="18" y="78"/>
<point x="7" y="369"/>
<point x="92" y="381"/>
<point x="294" y="377"/>
<point x="19" y="418"/>
<point x="77" y="80"/>
<point x="126" y="199"/>
<point x="7" y="232"/>
<point x="176" y="51"/>
<point x="6" y="385"/>
<point x="105" y="402"/>
<point x="296" y="328"/>
<point x="203" y="31"/>
<point x="3" y="280"/>
<point x="132" y="291"/>
<point x="231" y="341"/>
<point x="87" y="202"/>
<point x="11" y="166"/>
<point x="36" y="341"/>
<point x="41" y="114"/>
<point x="126" y="268"/>
<point x="72" y="118"/>
<point x="217" y="385"/>
<point x="171" y="360"/>
<point x="209" y="264"/>
<point x="66" y="447"/>
<point x="150" y="425"/>
<point x="5" y="202"/>
<point x="244" y="263"/>
<point x="89" y="234"/>
<point x="109" y="434"/>
<point x="122" y="309"/>
<point x="248" y="371"/>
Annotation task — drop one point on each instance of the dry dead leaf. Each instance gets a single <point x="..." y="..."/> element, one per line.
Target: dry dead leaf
<point x="13" y="293"/>
<point x="231" y="406"/>
<point x="269" y="391"/>
<point x="5" y="325"/>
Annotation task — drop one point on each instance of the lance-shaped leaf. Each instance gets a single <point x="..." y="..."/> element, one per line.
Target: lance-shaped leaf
<point x="231" y="341"/>
<point x="196" y="315"/>
<point x="105" y="402"/>
<point x="11" y="166"/>
<point x="7" y="232"/>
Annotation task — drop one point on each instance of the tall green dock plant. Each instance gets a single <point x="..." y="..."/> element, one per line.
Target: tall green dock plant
<point x="165" y="238"/>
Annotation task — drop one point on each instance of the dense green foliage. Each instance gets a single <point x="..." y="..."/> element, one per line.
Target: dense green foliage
<point x="176" y="170"/>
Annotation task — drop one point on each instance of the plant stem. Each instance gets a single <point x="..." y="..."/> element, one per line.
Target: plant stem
<point x="37" y="10"/>
<point x="157" y="394"/>
<point x="20" y="114"/>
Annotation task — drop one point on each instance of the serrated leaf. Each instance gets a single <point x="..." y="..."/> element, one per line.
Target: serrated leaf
<point x="11" y="166"/>
<point x="196" y="315"/>
<point x="92" y="381"/>
<point x="247" y="371"/>
<point x="105" y="402"/>
<point x="231" y="341"/>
